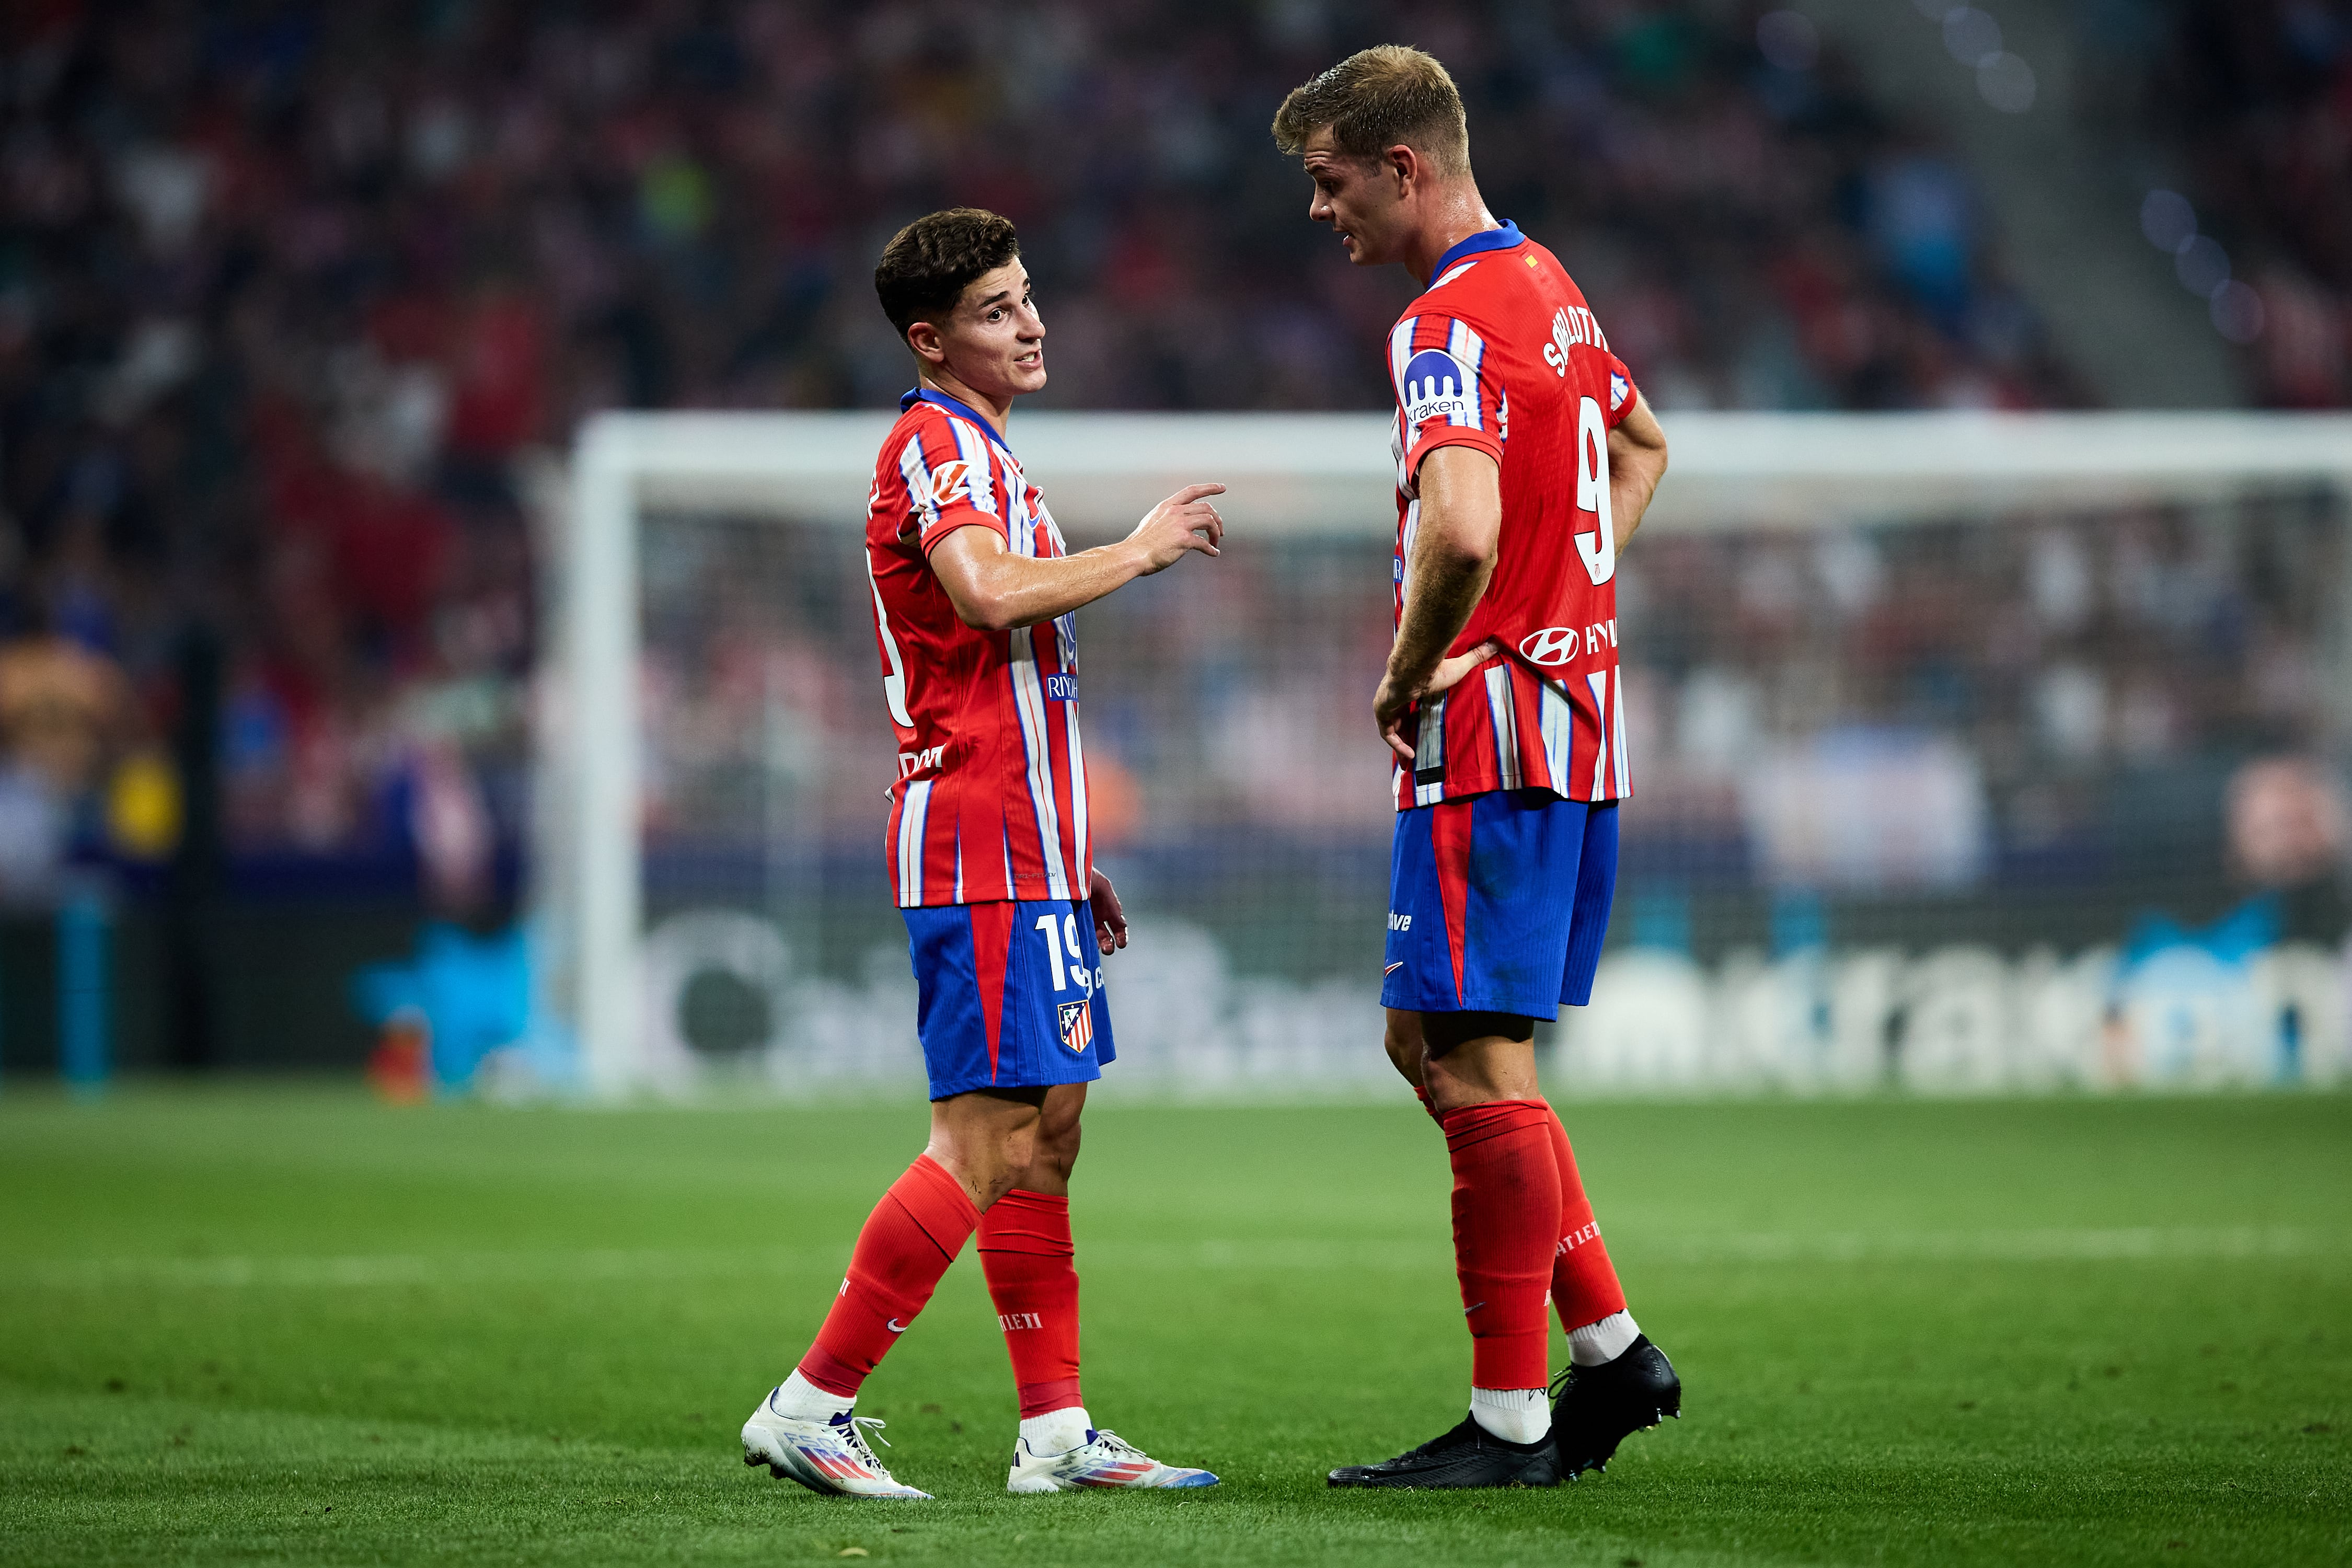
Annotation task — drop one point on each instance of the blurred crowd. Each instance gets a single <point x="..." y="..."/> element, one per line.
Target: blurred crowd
<point x="286" y="291"/>
<point x="2094" y="703"/>
<point x="2264" y="106"/>
<point x="2250" y="104"/>
<point x="2051" y="698"/>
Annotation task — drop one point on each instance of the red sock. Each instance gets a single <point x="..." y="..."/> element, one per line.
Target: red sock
<point x="1422" y="1095"/>
<point x="1506" y="1225"/>
<point x="1584" y="1287"/>
<point x="1024" y="1247"/>
<point x="909" y="1239"/>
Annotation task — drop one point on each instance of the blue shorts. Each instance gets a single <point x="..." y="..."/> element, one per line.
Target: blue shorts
<point x="1498" y="903"/>
<point x="1012" y="995"/>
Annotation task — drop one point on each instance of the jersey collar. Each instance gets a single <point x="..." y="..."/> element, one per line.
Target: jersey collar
<point x="1501" y="238"/>
<point x="954" y="405"/>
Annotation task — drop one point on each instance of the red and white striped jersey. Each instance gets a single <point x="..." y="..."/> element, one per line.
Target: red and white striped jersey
<point x="991" y="798"/>
<point x="1501" y="353"/>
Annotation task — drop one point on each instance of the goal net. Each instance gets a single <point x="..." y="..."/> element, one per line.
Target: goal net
<point x="1970" y="753"/>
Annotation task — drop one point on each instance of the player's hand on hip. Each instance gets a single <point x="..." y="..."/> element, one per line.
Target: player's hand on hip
<point x="1395" y="697"/>
<point x="1185" y="521"/>
<point x="1110" y="920"/>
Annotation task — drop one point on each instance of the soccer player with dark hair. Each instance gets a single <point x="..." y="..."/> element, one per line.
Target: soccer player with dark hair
<point x="1006" y="917"/>
<point x="1524" y="457"/>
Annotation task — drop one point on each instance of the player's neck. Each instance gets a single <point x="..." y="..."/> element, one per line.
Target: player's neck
<point x="996" y="410"/>
<point x="1455" y="216"/>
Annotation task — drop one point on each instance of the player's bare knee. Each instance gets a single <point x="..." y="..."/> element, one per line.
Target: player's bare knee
<point x="1058" y="1150"/>
<point x="1404" y="1055"/>
<point x="1016" y="1154"/>
<point x="1403" y="1040"/>
<point x="1475" y="1058"/>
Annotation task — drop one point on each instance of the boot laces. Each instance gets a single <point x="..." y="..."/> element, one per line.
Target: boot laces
<point x="1118" y="1445"/>
<point x="855" y="1439"/>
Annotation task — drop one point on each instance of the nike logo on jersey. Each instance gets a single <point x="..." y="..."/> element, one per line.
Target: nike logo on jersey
<point x="1393" y="968"/>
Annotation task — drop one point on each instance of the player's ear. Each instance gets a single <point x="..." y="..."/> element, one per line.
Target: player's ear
<point x="923" y="337"/>
<point x="1404" y="167"/>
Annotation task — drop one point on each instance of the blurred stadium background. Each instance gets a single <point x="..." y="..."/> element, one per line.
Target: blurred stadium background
<point x="302" y="307"/>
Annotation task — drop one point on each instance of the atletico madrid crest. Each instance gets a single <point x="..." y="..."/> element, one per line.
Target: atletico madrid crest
<point x="1077" y="1025"/>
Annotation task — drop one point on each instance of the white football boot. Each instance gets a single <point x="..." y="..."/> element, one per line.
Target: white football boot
<point x="1104" y="1459"/>
<point x="828" y="1457"/>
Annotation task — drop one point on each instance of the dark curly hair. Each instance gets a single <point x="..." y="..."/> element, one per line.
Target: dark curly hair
<point x="928" y="264"/>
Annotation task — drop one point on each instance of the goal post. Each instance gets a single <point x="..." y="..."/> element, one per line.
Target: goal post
<point x="1321" y="478"/>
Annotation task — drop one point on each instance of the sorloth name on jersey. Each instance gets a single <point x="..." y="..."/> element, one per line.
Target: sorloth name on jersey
<point x="1502" y="354"/>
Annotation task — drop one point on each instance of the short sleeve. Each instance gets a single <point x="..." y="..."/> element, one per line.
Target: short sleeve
<point x="1623" y="393"/>
<point x="1446" y="392"/>
<point x="950" y="476"/>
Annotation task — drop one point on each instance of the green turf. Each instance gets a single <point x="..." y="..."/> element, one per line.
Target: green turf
<point x="261" y="1325"/>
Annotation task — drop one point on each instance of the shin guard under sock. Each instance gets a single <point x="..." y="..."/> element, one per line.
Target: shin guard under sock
<point x="1505" y="1227"/>
<point x="1584" y="1287"/>
<point x="1025" y="1250"/>
<point x="909" y="1239"/>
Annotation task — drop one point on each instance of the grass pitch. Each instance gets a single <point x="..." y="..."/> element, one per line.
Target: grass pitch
<point x="287" y="1325"/>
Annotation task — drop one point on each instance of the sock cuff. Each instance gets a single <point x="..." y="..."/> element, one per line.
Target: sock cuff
<point x="1469" y="1125"/>
<point x="936" y="1202"/>
<point x="1593" y="1343"/>
<point x="830" y="1372"/>
<point x="1020" y="1198"/>
<point x="1028" y="1222"/>
<point x="1520" y="1416"/>
<point x="1044" y="1398"/>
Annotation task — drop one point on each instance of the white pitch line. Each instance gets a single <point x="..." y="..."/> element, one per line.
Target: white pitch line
<point x="371" y="1270"/>
<point x="1276" y="1255"/>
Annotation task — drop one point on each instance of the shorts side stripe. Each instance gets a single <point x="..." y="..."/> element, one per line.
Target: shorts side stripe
<point x="992" y="940"/>
<point x="1449" y="840"/>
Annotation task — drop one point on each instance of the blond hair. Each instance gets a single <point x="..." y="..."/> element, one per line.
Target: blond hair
<point x="1374" y="100"/>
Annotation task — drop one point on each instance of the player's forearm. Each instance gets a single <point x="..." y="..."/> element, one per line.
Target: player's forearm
<point x="1460" y="529"/>
<point x="1447" y="586"/>
<point x="1630" y="490"/>
<point x="1010" y="591"/>
<point x="1637" y="461"/>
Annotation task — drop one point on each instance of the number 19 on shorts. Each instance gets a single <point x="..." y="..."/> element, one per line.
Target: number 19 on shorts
<point x="1060" y="935"/>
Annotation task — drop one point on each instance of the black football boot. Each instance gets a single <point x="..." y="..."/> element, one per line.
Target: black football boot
<point x="1469" y="1456"/>
<point x="1597" y="1407"/>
